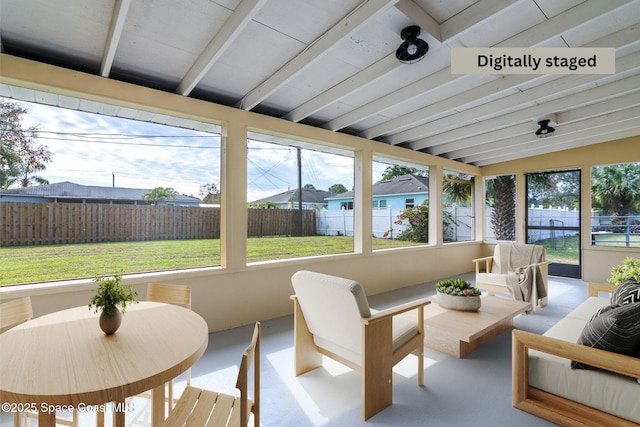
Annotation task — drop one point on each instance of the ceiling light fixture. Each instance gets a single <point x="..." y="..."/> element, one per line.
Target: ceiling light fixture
<point x="544" y="130"/>
<point x="412" y="49"/>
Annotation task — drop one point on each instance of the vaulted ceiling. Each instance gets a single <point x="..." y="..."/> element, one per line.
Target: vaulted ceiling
<point x="332" y="64"/>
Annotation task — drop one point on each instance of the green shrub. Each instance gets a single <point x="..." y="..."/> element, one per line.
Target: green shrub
<point x="418" y="223"/>
<point x="629" y="269"/>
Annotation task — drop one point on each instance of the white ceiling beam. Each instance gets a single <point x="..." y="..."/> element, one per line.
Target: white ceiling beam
<point x="532" y="37"/>
<point x="440" y="109"/>
<point x="595" y="94"/>
<point x="430" y="29"/>
<point x="576" y="17"/>
<point x="396" y="97"/>
<point x="499" y="106"/>
<point x="598" y="109"/>
<point x="622" y="39"/>
<point x="231" y="29"/>
<point x="617" y="121"/>
<point x="365" y="12"/>
<point x="496" y="107"/>
<point x="474" y="15"/>
<point x="631" y="129"/>
<point x="415" y="90"/>
<point x="563" y="132"/>
<point x="356" y="82"/>
<point x="120" y="11"/>
<point x="372" y="73"/>
<point x="594" y="139"/>
<point x="470" y="17"/>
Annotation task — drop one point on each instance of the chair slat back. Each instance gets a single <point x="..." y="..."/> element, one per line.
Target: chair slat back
<point x="171" y="294"/>
<point x="15" y="311"/>
<point x="196" y="406"/>
<point x="250" y="356"/>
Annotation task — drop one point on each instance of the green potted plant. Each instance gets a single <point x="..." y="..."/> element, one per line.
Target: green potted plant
<point x="629" y="269"/>
<point x="458" y="294"/>
<point x="107" y="298"/>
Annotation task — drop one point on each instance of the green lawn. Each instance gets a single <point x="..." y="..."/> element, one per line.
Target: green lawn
<point x="565" y="250"/>
<point x="30" y="264"/>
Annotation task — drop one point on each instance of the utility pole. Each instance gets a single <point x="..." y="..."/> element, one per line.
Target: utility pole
<point x="299" y="193"/>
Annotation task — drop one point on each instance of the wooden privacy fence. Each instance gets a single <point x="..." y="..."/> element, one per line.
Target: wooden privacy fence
<point x="280" y="222"/>
<point x="23" y="224"/>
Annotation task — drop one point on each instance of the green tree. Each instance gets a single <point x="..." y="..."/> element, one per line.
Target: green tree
<point x="542" y="188"/>
<point x="616" y="188"/>
<point x="554" y="189"/>
<point x="337" y="189"/>
<point x="266" y="205"/>
<point x="209" y="193"/>
<point x="159" y="194"/>
<point x="395" y="170"/>
<point x="20" y="156"/>
<point x="308" y="187"/>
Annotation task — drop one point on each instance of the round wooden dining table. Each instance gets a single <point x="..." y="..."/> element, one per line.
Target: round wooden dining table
<point x="63" y="360"/>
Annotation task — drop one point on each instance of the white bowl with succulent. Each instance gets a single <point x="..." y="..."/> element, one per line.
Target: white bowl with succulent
<point x="458" y="294"/>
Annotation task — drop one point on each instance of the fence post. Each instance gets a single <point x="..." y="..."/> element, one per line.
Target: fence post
<point x="344" y="222"/>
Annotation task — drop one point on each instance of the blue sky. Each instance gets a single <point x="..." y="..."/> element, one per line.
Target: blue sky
<point x="91" y="149"/>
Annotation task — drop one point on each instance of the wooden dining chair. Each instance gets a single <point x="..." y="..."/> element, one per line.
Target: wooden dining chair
<point x="12" y="313"/>
<point x="171" y="294"/>
<point x="197" y="406"/>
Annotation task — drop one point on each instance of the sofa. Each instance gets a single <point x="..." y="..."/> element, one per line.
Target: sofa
<point x="567" y="383"/>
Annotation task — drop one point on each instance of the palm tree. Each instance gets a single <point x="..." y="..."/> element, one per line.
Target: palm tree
<point x="458" y="189"/>
<point x="502" y="192"/>
<point x="616" y="188"/>
<point x="28" y="177"/>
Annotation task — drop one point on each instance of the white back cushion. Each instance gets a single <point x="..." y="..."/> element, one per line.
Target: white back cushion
<point x="332" y="307"/>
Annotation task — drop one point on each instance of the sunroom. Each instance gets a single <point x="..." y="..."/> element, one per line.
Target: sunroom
<point x="323" y="78"/>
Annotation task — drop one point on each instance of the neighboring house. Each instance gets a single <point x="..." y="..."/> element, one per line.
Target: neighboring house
<point x="68" y="192"/>
<point x="400" y="192"/>
<point x="311" y="199"/>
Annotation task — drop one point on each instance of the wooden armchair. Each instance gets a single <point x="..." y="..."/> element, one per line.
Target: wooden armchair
<point x="197" y="406"/>
<point x="332" y="318"/>
<point x="518" y="269"/>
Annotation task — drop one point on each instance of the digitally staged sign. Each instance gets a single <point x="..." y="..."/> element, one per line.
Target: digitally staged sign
<point x="533" y="61"/>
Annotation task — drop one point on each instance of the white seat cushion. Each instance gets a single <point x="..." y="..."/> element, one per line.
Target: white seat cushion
<point x="492" y="279"/>
<point x="609" y="392"/>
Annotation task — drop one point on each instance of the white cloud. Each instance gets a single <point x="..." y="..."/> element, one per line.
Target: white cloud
<point x="92" y="149"/>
